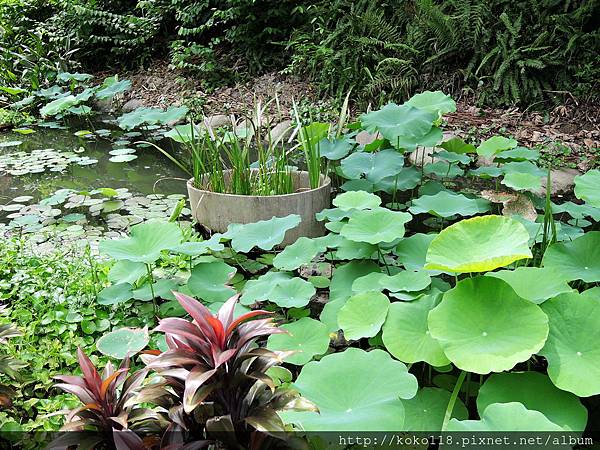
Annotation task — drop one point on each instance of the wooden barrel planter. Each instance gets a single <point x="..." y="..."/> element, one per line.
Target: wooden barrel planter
<point x="215" y="210"/>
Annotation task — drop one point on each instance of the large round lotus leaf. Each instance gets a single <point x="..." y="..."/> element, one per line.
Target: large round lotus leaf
<point x="372" y="166"/>
<point x="578" y="259"/>
<point x="522" y="181"/>
<point x="347" y="249"/>
<point x="572" y="348"/>
<point x="457" y="145"/>
<point x="536" y="392"/>
<point x="335" y="149"/>
<point x="147" y="240"/>
<point x="394" y="121"/>
<point x="160" y="289"/>
<point x="478" y="245"/>
<point x="483" y="326"/>
<point x="259" y="290"/>
<point x="452" y="157"/>
<point x="292" y="293"/>
<point x="533" y="283"/>
<point x="126" y="272"/>
<point x="354" y="390"/>
<point x="356" y="200"/>
<point x="506" y="417"/>
<point x="375" y="226"/>
<point x="340" y="289"/>
<point x="297" y="254"/>
<point x="494" y="145"/>
<point x="199" y="247"/>
<point x="446" y="204"/>
<point x="406" y="333"/>
<point x="587" y="187"/>
<point x="122" y="342"/>
<point x="442" y="169"/>
<point x="264" y="234"/>
<point x="308" y="337"/>
<point x="184" y="133"/>
<point x="208" y="281"/>
<point x="426" y="410"/>
<point x="518" y="154"/>
<point x="411" y="251"/>
<point x="363" y="314"/>
<point x="436" y="102"/>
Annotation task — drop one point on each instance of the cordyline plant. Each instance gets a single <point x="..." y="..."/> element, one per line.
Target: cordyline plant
<point x="8" y="366"/>
<point x="216" y="384"/>
<point x="107" y="409"/>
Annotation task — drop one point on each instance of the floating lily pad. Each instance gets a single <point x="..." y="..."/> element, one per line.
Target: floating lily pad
<point x="483" y="326"/>
<point x="354" y="390"/>
<point x="363" y="314"/>
<point x="308" y="337"/>
<point x="122" y="158"/>
<point x="406" y="332"/>
<point x="122" y="342"/>
<point x="536" y="392"/>
<point x="479" y="244"/>
<point x="576" y="260"/>
<point x="571" y="349"/>
<point x="446" y="204"/>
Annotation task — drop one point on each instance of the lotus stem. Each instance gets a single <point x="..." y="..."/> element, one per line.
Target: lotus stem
<point x="452" y="400"/>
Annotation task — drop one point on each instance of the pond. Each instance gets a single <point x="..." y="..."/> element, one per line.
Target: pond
<point x="55" y="158"/>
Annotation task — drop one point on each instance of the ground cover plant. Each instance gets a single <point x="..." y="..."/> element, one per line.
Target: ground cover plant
<point x="454" y="284"/>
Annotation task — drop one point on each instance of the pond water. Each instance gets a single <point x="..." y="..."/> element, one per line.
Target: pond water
<point x="50" y="159"/>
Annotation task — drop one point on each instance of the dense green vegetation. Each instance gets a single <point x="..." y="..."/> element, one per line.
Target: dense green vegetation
<point x="502" y="51"/>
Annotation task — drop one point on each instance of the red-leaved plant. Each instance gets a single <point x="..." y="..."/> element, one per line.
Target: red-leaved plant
<point x="218" y="376"/>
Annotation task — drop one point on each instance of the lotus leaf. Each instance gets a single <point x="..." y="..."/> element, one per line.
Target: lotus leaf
<point x="436" y="102"/>
<point x="483" y="326"/>
<point x="209" y="280"/>
<point x="291" y="293"/>
<point x="122" y="158"/>
<point x="354" y="390"/>
<point x="356" y="200"/>
<point x="115" y="294"/>
<point x="308" y="337"/>
<point x="494" y="145"/>
<point x="523" y="167"/>
<point x="410" y="143"/>
<point x="335" y="149"/>
<point x="442" y="169"/>
<point x="577" y="211"/>
<point x="363" y="314"/>
<point x="394" y="121"/>
<point x="58" y="106"/>
<point x="123" y="342"/>
<point x="506" y="417"/>
<point x="160" y="289"/>
<point x="522" y="181"/>
<point x="533" y="283"/>
<point x="264" y="234"/>
<point x="426" y="410"/>
<point x="457" y="145"/>
<point x="446" y="204"/>
<point x="452" y="157"/>
<point x="486" y="172"/>
<point x="406" y="332"/>
<point x="147" y="241"/>
<point x="111" y="87"/>
<point x="260" y="289"/>
<point x="411" y="251"/>
<point x="151" y="116"/>
<point x="405" y="280"/>
<point x="587" y="187"/>
<point x="372" y="166"/>
<point x="297" y="254"/>
<point x="347" y="249"/>
<point x="518" y="154"/>
<point x="199" y="247"/>
<point x="572" y="347"/>
<point x="125" y="271"/>
<point x="479" y="244"/>
<point x="375" y="226"/>
<point x="536" y="392"/>
<point x="578" y="259"/>
<point x="184" y="133"/>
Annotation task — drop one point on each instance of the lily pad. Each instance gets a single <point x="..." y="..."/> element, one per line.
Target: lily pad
<point x="122" y="342"/>
<point x="483" y="326"/>
<point x="264" y="234"/>
<point x="576" y="260"/>
<point x="536" y="392"/>
<point x="406" y="332"/>
<point x="146" y="242"/>
<point x="291" y="293"/>
<point x="479" y="244"/>
<point x="363" y="314"/>
<point x="375" y="226"/>
<point x="571" y="349"/>
<point x="356" y="200"/>
<point x="446" y="204"/>
<point x="397" y="121"/>
<point x="308" y="337"/>
<point x="587" y="187"/>
<point x="122" y="158"/>
<point x="297" y="254"/>
<point x="354" y="390"/>
<point x="533" y="283"/>
<point x="259" y="289"/>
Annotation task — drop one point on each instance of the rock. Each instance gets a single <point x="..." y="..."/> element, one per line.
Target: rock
<point x="421" y="155"/>
<point x="281" y="131"/>
<point x="103" y="106"/>
<point x="366" y="138"/>
<point x="562" y="181"/>
<point x="132" y="105"/>
<point x="216" y="121"/>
